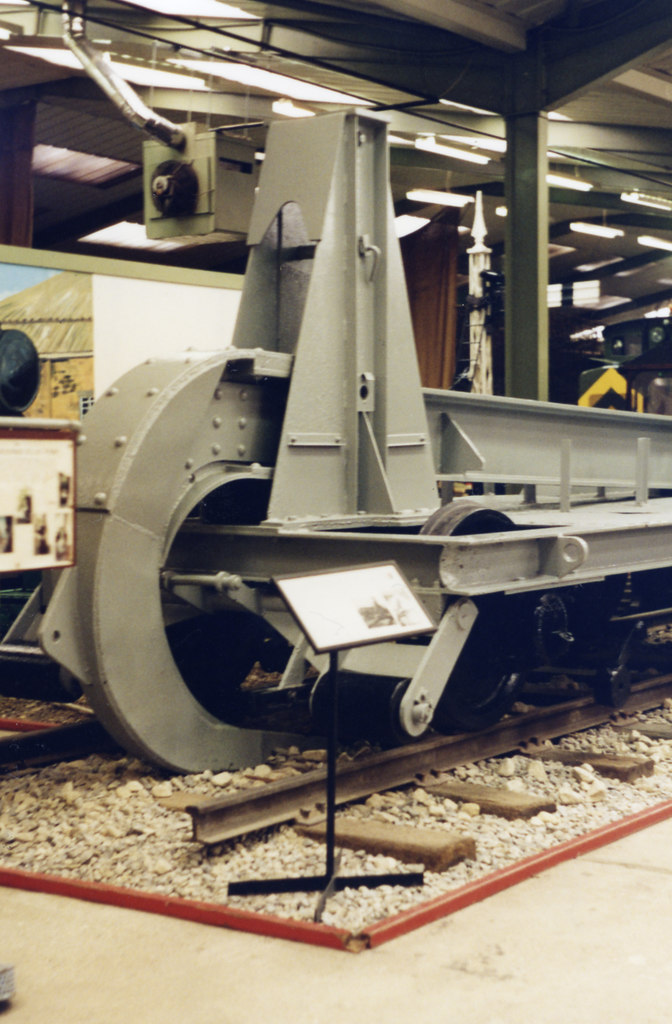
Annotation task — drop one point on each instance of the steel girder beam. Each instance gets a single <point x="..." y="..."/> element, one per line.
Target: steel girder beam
<point x="474" y="20"/>
<point x="502" y="440"/>
<point x="526" y="271"/>
<point x="606" y="39"/>
<point x="423" y="62"/>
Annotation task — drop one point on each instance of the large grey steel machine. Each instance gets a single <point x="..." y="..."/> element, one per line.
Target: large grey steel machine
<point x="309" y="445"/>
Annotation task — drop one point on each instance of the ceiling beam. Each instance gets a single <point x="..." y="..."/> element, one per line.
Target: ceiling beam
<point x="472" y="20"/>
<point x="605" y="40"/>
<point x="425" y="63"/>
<point x="618" y="138"/>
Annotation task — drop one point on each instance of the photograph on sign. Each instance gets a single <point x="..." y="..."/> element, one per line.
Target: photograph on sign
<point x="355" y="606"/>
<point x="36" y="500"/>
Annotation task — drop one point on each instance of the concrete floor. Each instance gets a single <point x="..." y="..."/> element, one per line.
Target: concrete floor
<point x="587" y="942"/>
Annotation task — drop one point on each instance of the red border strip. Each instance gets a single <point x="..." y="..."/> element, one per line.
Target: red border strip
<point x="505" y="878"/>
<point x="325" y="935"/>
<point x="173" y="906"/>
<point x="23" y="725"/>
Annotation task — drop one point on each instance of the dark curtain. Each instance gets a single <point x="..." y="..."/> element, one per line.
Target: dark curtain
<point x="430" y="265"/>
<point x="16" y="185"/>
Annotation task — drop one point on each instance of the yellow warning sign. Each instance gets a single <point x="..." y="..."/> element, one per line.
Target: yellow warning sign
<point x="608" y="391"/>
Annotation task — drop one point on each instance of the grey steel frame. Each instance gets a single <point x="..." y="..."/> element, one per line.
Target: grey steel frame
<point x="318" y="404"/>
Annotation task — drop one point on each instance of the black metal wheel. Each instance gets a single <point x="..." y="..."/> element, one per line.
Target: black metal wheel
<point x="367" y="708"/>
<point x="552" y="638"/>
<point x="462" y="517"/>
<point x="216" y="653"/>
<point x="487" y="676"/>
<point x="612" y="686"/>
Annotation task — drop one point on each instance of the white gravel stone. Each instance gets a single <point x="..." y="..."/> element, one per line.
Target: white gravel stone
<point x="566" y="795"/>
<point x="516" y="786"/>
<point x="536" y="770"/>
<point x="507" y="768"/>
<point x="162" y="789"/>
<point x="597" y="790"/>
<point x="98" y="819"/>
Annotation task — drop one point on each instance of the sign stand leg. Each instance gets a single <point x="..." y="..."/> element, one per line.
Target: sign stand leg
<point x="331" y="881"/>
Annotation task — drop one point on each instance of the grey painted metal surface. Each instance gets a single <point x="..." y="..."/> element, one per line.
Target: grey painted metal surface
<point x="494" y="439"/>
<point x="148" y="457"/>
<point x="355" y="424"/>
<point x="317" y="413"/>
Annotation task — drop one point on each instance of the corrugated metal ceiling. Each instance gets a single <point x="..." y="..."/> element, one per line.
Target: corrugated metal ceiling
<point x="400" y="57"/>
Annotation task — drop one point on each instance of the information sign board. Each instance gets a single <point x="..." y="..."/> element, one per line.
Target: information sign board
<point x="354" y="606"/>
<point x="37" y="497"/>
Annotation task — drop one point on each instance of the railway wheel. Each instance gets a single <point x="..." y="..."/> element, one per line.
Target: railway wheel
<point x="367" y="708"/>
<point x="152" y="457"/>
<point x="215" y="653"/>
<point x="462" y="517"/>
<point x="487" y="677"/>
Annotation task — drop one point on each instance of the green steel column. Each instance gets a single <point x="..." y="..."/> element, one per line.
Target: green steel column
<point x="526" y="257"/>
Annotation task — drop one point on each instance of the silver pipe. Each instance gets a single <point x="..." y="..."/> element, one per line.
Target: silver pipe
<point x="112" y="84"/>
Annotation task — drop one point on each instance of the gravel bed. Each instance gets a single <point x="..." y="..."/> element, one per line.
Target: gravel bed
<point x="100" y="819"/>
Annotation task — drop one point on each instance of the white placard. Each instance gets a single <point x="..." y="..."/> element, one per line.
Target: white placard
<point x="355" y="606"/>
<point x="37" y="496"/>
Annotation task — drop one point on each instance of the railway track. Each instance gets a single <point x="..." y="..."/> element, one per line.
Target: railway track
<point x="215" y="820"/>
<point x="111" y="819"/>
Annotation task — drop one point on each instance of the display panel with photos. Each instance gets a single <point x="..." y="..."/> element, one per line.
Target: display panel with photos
<point x="354" y="606"/>
<point x="37" y="497"/>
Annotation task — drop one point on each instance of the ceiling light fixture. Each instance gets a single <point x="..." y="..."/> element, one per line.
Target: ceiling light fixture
<point x="133" y="236"/>
<point x="641" y="199"/>
<point x="269" y="81"/>
<point x="407" y="223"/>
<point x="590" y="268"/>
<point x="135" y="73"/>
<point x="428" y="195"/>
<point x="288" y="109"/>
<point x="478" y="142"/>
<point x="195" y="9"/>
<point x="600" y="230"/>
<point x="573" y="293"/>
<point x="430" y="145"/>
<point x="464" y="106"/>
<point x="564" y="181"/>
<point x="655" y="243"/>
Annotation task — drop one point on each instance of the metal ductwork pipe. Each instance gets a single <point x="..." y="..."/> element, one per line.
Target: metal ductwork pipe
<point x="112" y="84"/>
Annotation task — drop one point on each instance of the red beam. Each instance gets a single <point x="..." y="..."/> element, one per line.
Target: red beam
<point x="505" y="878"/>
<point x="324" y="935"/>
<point x="22" y="725"/>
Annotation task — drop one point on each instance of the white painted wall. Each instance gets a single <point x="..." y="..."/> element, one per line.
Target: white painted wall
<point x="136" y="319"/>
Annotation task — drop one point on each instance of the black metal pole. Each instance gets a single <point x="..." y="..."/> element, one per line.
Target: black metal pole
<point x="331" y="764"/>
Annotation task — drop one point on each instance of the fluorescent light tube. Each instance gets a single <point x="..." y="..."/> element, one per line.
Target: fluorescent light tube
<point x="430" y="145"/>
<point x="655" y="243"/>
<point x="269" y="81"/>
<point x="641" y="199"/>
<point x="600" y="230"/>
<point x="564" y="181"/>
<point x="428" y="195"/>
<point x="406" y="224"/>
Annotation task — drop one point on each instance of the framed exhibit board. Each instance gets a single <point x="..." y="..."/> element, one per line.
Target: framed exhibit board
<point x="354" y="606"/>
<point x="37" y="495"/>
